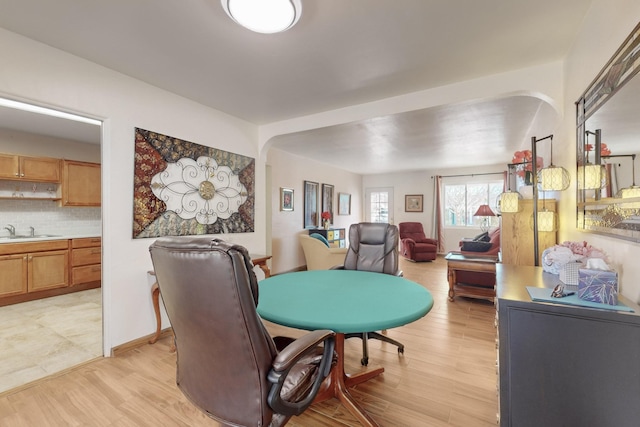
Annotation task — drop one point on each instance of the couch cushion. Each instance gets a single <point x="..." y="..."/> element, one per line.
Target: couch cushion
<point x="321" y="238"/>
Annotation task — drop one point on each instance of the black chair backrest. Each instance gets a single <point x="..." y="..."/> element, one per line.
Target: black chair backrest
<point x="373" y="247"/>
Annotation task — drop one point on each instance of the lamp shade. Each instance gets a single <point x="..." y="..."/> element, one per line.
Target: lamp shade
<point x="509" y="202"/>
<point x="554" y="178"/>
<point x="546" y="221"/>
<point x="630" y="192"/>
<point x="484" y="210"/>
<point x="264" y="16"/>
<point x="591" y="177"/>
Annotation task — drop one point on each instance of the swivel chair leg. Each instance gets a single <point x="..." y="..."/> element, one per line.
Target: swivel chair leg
<point x="365" y="349"/>
<point x="374" y="335"/>
<point x="378" y="336"/>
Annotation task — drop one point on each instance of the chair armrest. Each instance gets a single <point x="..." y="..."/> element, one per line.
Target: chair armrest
<point x="342" y="251"/>
<point x="428" y="240"/>
<point x="303" y="350"/>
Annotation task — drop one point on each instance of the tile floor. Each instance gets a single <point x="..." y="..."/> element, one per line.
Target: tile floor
<point x="40" y="338"/>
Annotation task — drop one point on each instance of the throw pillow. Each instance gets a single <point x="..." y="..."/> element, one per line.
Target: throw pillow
<point x="321" y="238"/>
<point x="476" y="246"/>
<point x="484" y="237"/>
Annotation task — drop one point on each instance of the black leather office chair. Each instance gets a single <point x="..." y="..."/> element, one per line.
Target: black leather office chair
<point x="228" y="365"/>
<point x="373" y="247"/>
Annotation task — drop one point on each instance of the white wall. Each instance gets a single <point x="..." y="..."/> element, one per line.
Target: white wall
<point x="605" y="27"/>
<point x="37" y="73"/>
<point x="28" y="144"/>
<point x="291" y="171"/>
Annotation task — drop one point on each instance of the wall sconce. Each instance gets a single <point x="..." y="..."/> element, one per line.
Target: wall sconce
<point x="632" y="191"/>
<point x="592" y="176"/>
<point x="509" y="201"/>
<point x="556" y="181"/>
<point x="486" y="212"/>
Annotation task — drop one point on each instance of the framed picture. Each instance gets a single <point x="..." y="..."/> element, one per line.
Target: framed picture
<point x="344" y="204"/>
<point x="311" y="214"/>
<point x="286" y="199"/>
<point x="327" y="200"/>
<point x="413" y="203"/>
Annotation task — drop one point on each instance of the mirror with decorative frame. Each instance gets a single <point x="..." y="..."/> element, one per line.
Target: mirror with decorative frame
<point x="608" y="141"/>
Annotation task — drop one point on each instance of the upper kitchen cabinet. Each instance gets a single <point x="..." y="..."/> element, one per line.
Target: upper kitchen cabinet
<point x="80" y="183"/>
<point x="32" y="169"/>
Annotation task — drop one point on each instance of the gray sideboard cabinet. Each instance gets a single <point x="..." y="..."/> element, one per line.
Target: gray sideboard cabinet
<point x="563" y="366"/>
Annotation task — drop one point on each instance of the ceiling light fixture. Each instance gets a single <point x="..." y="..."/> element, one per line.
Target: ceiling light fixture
<point x="264" y="16"/>
<point x="46" y="111"/>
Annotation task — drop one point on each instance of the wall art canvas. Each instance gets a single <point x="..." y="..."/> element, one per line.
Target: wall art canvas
<point x="311" y="215"/>
<point x="183" y="188"/>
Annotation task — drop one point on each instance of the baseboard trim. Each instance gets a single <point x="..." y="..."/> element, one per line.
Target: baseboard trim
<point x="139" y="342"/>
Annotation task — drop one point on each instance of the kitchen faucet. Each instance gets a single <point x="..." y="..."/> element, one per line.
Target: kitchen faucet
<point x="12" y="230"/>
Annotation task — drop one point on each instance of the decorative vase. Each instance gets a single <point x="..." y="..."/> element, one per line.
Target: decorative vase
<point x="528" y="178"/>
<point x="326" y="224"/>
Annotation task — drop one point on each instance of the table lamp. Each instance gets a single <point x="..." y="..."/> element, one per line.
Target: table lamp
<point x="486" y="212"/>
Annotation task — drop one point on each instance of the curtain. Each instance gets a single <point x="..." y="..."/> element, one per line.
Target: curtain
<point x="438" y="225"/>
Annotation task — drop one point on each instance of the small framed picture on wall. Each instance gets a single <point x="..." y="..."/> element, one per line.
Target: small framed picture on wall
<point x="413" y="203"/>
<point x="311" y="215"/>
<point x="327" y="200"/>
<point x="344" y="204"/>
<point x="286" y="199"/>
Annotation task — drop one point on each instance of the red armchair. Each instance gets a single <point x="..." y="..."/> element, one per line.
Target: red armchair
<point x="414" y="245"/>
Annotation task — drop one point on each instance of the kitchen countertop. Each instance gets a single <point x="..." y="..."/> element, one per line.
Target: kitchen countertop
<point x="46" y="237"/>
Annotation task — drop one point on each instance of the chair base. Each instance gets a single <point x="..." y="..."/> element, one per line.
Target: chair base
<point x="373" y="335"/>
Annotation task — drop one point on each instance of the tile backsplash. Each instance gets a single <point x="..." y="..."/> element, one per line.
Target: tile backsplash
<point x="48" y="218"/>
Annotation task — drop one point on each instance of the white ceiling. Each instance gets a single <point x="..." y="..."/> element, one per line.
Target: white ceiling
<point x="340" y="53"/>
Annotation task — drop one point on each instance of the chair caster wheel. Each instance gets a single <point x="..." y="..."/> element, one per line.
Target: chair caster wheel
<point x="364" y="361"/>
<point x="401" y="350"/>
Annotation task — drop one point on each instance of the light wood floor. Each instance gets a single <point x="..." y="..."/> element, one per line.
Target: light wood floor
<point x="446" y="377"/>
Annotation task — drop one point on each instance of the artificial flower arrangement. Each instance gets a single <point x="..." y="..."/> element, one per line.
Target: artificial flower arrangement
<point x="524" y="160"/>
<point x="604" y="150"/>
<point x="326" y="219"/>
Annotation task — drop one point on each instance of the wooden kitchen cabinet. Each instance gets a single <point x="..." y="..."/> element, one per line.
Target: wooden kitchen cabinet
<point x="33" y="267"/>
<point x="81" y="184"/>
<point x="48" y="270"/>
<point x="32" y="169"/>
<point x="86" y="261"/>
<point x="13" y="275"/>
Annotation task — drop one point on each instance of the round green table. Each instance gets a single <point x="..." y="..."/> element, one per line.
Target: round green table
<point x="344" y="301"/>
